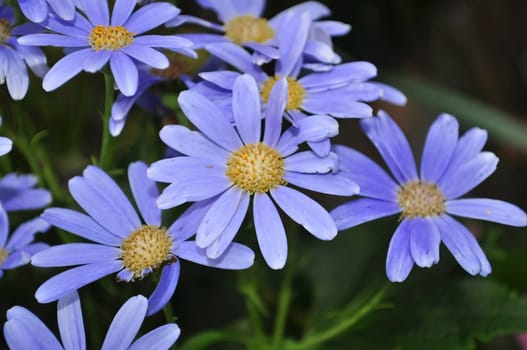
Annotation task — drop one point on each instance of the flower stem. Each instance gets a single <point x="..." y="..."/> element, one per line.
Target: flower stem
<point x="107" y="140"/>
<point x="284" y="300"/>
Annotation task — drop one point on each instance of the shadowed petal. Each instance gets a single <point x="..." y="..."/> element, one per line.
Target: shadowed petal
<point x="236" y="256"/>
<point x="75" y="254"/>
<point x="162" y="337"/>
<point x="25" y="233"/>
<point x="164" y="289"/>
<point x="187" y="223"/>
<point x="65" y="69"/>
<point x="246" y="109"/>
<point x="335" y="184"/>
<point x="489" y="210"/>
<point x="27" y="325"/>
<point x="124" y="72"/>
<point x="399" y="261"/>
<point x="18" y="336"/>
<point x="145" y="193"/>
<point x="305" y="211"/>
<point x="274" y="112"/>
<point x="424" y="241"/>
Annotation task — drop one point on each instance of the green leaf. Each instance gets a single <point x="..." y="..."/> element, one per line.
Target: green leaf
<point x="206" y="339"/>
<point x="501" y="126"/>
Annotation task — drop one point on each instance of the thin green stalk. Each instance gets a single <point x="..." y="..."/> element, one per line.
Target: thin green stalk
<point x="343" y="326"/>
<point x="107" y="142"/>
<point x="284" y="301"/>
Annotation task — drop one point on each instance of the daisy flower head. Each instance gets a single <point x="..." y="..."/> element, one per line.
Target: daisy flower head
<point x="450" y="167"/>
<point x="37" y="10"/>
<point x="14" y="57"/>
<point x="122" y="242"/>
<point x="24" y="330"/>
<point x="242" y="23"/>
<point x="226" y="165"/>
<point x="96" y="38"/>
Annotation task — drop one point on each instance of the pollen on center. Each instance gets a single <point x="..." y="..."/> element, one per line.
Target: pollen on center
<point x="248" y="28"/>
<point x="110" y="37"/>
<point x="295" y="92"/>
<point x="420" y="199"/>
<point x="147" y="248"/>
<point x="5" y="33"/>
<point x="3" y="255"/>
<point x="256" y="168"/>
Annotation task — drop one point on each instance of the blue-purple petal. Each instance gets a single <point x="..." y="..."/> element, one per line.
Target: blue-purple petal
<point x="246" y="109"/>
<point x="399" y="260"/>
<point x="425" y="240"/>
<point x="489" y="210"/>
<point x="145" y="193"/>
<point x="125" y="73"/>
<point x="236" y="256"/>
<point x="126" y="324"/>
<point x="71" y="325"/>
<point x="70" y="254"/>
<point x="335" y="184"/>
<point x="164" y="289"/>
<point x="32" y="327"/>
<point x="162" y="337"/>
<point x="358" y="211"/>
<point x="65" y="69"/>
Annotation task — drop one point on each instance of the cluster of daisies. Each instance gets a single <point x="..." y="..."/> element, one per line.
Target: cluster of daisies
<point x="264" y="110"/>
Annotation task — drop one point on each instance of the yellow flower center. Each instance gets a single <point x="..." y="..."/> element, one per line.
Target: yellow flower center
<point x="248" y="28"/>
<point x="420" y="199"/>
<point x="256" y="168"/>
<point x="295" y="92"/>
<point x="147" y="247"/>
<point x="4" y="30"/>
<point x="110" y="38"/>
<point x="3" y="255"/>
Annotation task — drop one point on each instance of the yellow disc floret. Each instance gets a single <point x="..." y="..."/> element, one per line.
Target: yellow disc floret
<point x="420" y="199"/>
<point x="256" y="168"/>
<point x="110" y="37"/>
<point x="295" y="92"/>
<point x="4" y="30"/>
<point x="148" y="247"/>
<point x="3" y="255"/>
<point x="248" y="28"/>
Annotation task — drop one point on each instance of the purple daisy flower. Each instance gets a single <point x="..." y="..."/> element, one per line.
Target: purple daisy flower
<point x="242" y="24"/>
<point x="14" y="57"/>
<point x="38" y="10"/>
<point x="24" y="330"/>
<point x="340" y="92"/>
<point x="18" y="249"/>
<point x="17" y="192"/>
<point x="224" y="166"/>
<point x="99" y="38"/>
<point x="450" y="167"/>
<point x="122" y="242"/>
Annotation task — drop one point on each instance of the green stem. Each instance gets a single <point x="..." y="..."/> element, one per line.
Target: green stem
<point x="284" y="300"/>
<point x="107" y="140"/>
<point x="344" y="325"/>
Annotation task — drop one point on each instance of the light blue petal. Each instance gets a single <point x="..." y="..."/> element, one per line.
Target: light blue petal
<point x="424" y="241"/>
<point x="147" y="55"/>
<point x="238" y="58"/>
<point x="162" y="337"/>
<point x="27" y="199"/>
<point x="390" y="94"/>
<point x="439" y="147"/>
<point x="25" y="233"/>
<point x="305" y="211"/>
<point x="96" y="10"/>
<point x="65" y="69"/>
<point x="81" y="225"/>
<point x="122" y="11"/>
<point x="26" y="324"/>
<point x="97" y="60"/>
<point x="316" y="128"/>
<point x="126" y="324"/>
<point x="372" y="179"/>
<point x="34" y="10"/>
<point x="19" y="337"/>
<point x="187" y="223"/>
<point x="236" y="256"/>
<point x="274" y="112"/>
<point x="220" y="244"/>
<point x="124" y="72"/>
<point x="464" y="178"/>
<point x="145" y="193"/>
<point x="336" y="103"/>
<point x="224" y="79"/>
<point x="335" y="184"/>
<point x="291" y="42"/>
<point x="399" y="261"/>
<point x="362" y="210"/>
<point x="5" y="145"/>
<point x="309" y="162"/>
<point x="151" y="16"/>
<point x="392" y="145"/>
<point x="270" y="232"/>
<point x="463" y="246"/>
<point x="246" y="109"/>
<point x="64" y="8"/>
<point x="57" y="40"/>
<point x="17" y="78"/>
<point x="71" y="325"/>
<point x="321" y="148"/>
<point x="209" y="120"/>
<point x="489" y="210"/>
<point x="218" y="216"/>
<point x="192" y="191"/>
<point x="16" y="259"/>
<point x="191" y="143"/>
<point x="171" y="42"/>
<point x="4" y="226"/>
<point x="186" y="169"/>
<point x="340" y="75"/>
<point x="70" y="254"/>
<point x="73" y="279"/>
<point x="164" y="289"/>
<point x="469" y="145"/>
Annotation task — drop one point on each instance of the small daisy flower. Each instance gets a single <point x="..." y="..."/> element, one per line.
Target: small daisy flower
<point x="123" y="244"/>
<point x="18" y="192"/>
<point x="243" y="24"/>
<point x="225" y="166"/>
<point x="450" y="167"/>
<point x="38" y="10"/>
<point x="17" y="250"/>
<point x="14" y="57"/>
<point x="96" y="39"/>
<point x="24" y="330"/>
